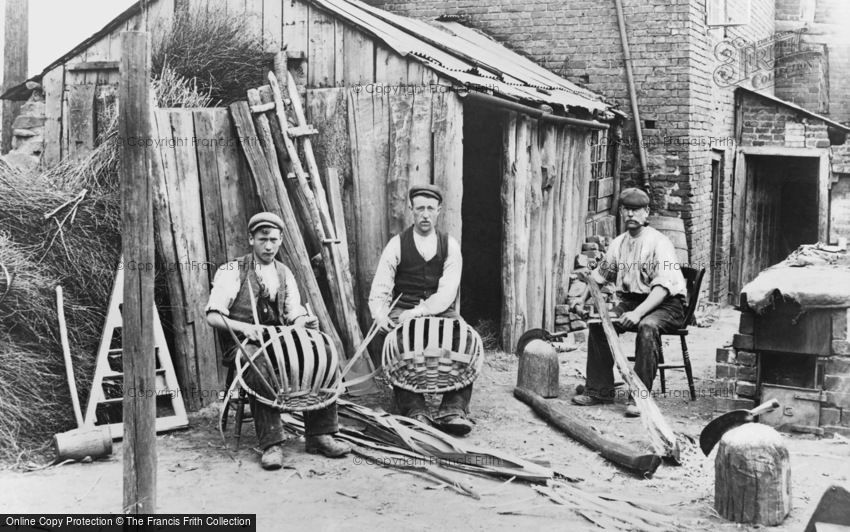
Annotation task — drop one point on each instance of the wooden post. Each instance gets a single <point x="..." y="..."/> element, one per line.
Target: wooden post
<point x="15" y="60"/>
<point x="134" y="122"/>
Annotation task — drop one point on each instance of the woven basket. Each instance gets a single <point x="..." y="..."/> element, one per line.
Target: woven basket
<point x="432" y="355"/>
<point x="305" y="364"/>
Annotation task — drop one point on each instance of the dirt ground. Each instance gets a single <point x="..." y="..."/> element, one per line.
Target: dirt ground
<point x="197" y="474"/>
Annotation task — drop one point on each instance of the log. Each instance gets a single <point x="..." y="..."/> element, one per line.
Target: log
<point x="752" y="476"/>
<point x="538" y="369"/>
<point x="77" y="444"/>
<point x="660" y="434"/>
<point x="616" y="452"/>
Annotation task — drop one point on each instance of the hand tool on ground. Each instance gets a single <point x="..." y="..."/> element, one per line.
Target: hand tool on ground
<point x="715" y="430"/>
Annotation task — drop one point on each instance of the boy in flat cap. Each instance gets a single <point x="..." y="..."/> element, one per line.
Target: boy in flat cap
<point x="278" y="302"/>
<point x="651" y="291"/>
<point x="423" y="265"/>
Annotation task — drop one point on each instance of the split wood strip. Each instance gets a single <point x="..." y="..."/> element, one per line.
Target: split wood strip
<point x="275" y="199"/>
<point x="534" y="208"/>
<point x="661" y="436"/>
<point x="368" y="120"/>
<point x="186" y="203"/>
<point x="295" y="161"/>
<point x="447" y="125"/>
<point x="399" y="163"/>
<point x="297" y="193"/>
<point x="307" y="147"/>
<point x="521" y="224"/>
<point x="509" y="333"/>
<point x="548" y="179"/>
<point x="185" y="361"/>
<point x="339" y="280"/>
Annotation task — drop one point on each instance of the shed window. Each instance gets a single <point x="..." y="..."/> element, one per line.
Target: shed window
<point x="601" y="190"/>
<point x="728" y="12"/>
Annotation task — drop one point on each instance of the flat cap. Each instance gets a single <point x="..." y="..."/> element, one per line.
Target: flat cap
<point x="264" y="219"/>
<point x="634" y="198"/>
<point x="432" y="191"/>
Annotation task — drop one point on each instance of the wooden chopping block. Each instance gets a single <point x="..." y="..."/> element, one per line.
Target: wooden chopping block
<point x="539" y="368"/>
<point x="77" y="444"/>
<point x="752" y="476"/>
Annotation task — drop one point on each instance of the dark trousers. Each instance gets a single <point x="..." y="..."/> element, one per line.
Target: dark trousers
<point x="412" y="404"/>
<point x="666" y="317"/>
<point x="267" y="421"/>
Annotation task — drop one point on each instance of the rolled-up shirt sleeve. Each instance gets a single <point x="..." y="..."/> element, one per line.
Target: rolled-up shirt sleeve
<point x="449" y="282"/>
<point x="606" y="271"/>
<point x="667" y="272"/>
<point x="292" y="306"/>
<point x="224" y="290"/>
<point x="380" y="294"/>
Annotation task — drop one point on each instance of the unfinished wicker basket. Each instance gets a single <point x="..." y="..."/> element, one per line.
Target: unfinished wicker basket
<point x="432" y="355"/>
<point x="305" y="367"/>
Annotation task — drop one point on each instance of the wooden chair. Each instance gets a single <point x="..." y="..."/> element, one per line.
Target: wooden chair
<point x="693" y="278"/>
<point x="238" y="403"/>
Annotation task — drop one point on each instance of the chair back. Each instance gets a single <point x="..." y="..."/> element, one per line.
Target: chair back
<point x="693" y="280"/>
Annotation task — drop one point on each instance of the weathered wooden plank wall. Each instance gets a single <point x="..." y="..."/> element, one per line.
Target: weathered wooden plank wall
<point x="545" y="174"/>
<point x="397" y="141"/>
<point x="204" y="195"/>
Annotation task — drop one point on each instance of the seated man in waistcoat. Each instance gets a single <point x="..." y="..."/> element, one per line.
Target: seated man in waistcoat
<point x="423" y="265"/>
<point x="278" y="302"/>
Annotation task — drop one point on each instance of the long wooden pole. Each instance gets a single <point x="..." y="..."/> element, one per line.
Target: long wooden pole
<point x="660" y="434"/>
<point x="134" y="124"/>
<point x="15" y="60"/>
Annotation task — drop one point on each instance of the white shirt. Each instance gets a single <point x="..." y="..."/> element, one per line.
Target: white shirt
<point x="637" y="264"/>
<point x="380" y="296"/>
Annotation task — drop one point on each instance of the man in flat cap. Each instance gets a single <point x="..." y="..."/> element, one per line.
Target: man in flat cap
<point x="278" y="302"/>
<point x="423" y="265"/>
<point x="642" y="264"/>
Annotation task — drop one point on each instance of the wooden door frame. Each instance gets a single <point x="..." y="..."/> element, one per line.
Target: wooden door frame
<point x="739" y="189"/>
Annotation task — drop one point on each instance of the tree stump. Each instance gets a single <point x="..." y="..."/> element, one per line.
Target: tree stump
<point x="752" y="476"/>
<point x="538" y="368"/>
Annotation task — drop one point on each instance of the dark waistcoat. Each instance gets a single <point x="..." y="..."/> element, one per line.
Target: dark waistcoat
<point x="269" y="313"/>
<point x="415" y="278"/>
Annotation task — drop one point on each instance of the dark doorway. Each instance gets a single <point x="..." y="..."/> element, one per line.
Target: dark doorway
<point x="481" y="211"/>
<point x="781" y="210"/>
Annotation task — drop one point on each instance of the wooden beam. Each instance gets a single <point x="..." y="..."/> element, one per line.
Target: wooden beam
<point x="619" y="453"/>
<point x="134" y="121"/>
<point x="661" y="436"/>
<point x="15" y="61"/>
<point x="85" y="66"/>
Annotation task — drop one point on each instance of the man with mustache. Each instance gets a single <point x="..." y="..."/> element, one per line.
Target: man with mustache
<point x="643" y="266"/>
<point x="422" y="265"/>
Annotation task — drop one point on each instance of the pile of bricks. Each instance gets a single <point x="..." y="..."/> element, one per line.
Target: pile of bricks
<point x="593" y="251"/>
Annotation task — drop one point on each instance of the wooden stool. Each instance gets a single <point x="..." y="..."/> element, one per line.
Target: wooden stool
<point x="238" y="404"/>
<point x="752" y="476"/>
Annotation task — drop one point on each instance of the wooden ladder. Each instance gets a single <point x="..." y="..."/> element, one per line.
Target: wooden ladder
<point x="105" y="406"/>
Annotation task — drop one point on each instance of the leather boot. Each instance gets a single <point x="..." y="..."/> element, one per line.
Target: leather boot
<point x="326" y="445"/>
<point x="272" y="457"/>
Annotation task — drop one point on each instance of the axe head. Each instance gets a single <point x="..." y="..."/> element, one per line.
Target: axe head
<point x="715" y="430"/>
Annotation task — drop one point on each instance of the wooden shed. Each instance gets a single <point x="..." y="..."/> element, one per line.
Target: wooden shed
<point x="522" y="154"/>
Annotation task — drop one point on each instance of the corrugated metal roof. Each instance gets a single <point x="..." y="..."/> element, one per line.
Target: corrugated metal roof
<point x="456" y="52"/>
<point x="466" y="56"/>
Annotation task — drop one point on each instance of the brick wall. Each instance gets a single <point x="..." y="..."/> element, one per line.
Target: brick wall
<point x="828" y="30"/>
<point x="768" y="124"/>
<point x="674" y="62"/>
